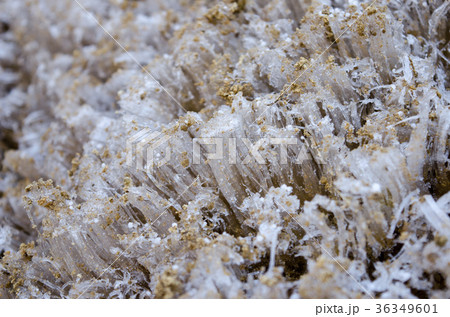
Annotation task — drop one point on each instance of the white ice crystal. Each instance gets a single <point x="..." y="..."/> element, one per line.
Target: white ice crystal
<point x="359" y="92"/>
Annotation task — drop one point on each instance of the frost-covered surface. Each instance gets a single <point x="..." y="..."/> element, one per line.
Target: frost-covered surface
<point x="367" y="214"/>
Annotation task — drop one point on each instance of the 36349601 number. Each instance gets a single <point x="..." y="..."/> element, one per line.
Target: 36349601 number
<point x="406" y="308"/>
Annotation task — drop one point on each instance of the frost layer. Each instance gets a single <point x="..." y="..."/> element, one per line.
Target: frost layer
<point x="363" y="88"/>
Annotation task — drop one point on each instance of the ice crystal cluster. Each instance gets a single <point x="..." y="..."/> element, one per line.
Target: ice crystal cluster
<point x="362" y="86"/>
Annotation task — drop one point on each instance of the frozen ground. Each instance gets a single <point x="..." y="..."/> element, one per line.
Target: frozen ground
<point x="357" y="207"/>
